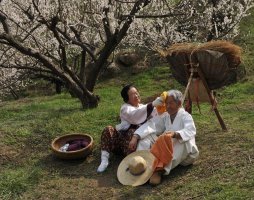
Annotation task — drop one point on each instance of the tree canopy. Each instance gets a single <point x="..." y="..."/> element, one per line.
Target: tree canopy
<point x="70" y="42"/>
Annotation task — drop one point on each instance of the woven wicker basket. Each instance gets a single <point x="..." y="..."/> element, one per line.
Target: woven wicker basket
<point x="78" y="154"/>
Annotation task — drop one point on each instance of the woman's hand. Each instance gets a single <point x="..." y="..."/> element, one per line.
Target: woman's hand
<point x="171" y="133"/>
<point x="158" y="102"/>
<point x="133" y="143"/>
<point x="174" y="134"/>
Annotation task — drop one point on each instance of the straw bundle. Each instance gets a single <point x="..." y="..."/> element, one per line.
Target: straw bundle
<point x="217" y="59"/>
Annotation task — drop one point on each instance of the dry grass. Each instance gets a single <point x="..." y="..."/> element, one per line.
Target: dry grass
<point x="233" y="52"/>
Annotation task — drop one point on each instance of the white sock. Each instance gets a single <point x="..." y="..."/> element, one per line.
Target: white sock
<point x="104" y="161"/>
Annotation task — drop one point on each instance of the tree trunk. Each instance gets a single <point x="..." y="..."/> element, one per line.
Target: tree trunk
<point x="14" y="94"/>
<point x="58" y="87"/>
<point x="87" y="98"/>
<point x="89" y="101"/>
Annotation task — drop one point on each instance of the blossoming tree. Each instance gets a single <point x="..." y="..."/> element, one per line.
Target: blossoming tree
<point x="73" y="40"/>
<point x="11" y="81"/>
<point x="190" y="21"/>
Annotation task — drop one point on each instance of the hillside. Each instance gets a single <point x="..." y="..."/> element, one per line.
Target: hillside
<point x="225" y="169"/>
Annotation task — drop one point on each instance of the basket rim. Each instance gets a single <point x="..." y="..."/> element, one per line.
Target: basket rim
<point x="72" y="134"/>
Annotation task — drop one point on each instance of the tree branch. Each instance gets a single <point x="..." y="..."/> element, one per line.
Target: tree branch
<point x="30" y="67"/>
<point x="106" y="23"/>
<point x="4" y="23"/>
<point x="78" y="43"/>
<point x="151" y="16"/>
<point x="111" y="44"/>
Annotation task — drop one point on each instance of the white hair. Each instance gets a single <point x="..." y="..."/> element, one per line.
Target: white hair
<point x="177" y="95"/>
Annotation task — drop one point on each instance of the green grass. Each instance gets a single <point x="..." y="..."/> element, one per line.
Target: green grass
<point x="16" y="181"/>
<point x="224" y="170"/>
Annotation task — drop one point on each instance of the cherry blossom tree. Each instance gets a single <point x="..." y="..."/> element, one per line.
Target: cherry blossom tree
<point x="73" y="41"/>
<point x="11" y="81"/>
<point x="190" y="21"/>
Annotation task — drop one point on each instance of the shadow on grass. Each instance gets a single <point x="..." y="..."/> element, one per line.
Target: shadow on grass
<point x="71" y="168"/>
<point x="146" y="190"/>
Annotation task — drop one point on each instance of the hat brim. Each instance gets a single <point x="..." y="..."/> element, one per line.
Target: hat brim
<point x="126" y="178"/>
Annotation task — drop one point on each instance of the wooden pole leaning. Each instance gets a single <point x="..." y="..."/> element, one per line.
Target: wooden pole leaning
<point x="201" y="75"/>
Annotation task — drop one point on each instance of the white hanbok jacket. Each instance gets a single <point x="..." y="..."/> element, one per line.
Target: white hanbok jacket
<point x="185" y="151"/>
<point x="133" y="115"/>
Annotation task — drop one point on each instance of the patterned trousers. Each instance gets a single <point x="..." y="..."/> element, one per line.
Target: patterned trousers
<point x="115" y="141"/>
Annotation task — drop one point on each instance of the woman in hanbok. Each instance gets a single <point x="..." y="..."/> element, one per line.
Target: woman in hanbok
<point x="133" y="114"/>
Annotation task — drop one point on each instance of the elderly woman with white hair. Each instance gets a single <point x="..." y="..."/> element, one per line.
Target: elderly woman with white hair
<point x="180" y="126"/>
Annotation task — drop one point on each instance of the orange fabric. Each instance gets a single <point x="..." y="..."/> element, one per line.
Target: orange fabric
<point x="161" y="109"/>
<point x="163" y="151"/>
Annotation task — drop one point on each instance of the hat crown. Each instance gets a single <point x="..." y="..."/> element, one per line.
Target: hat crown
<point x="137" y="165"/>
<point x="129" y="173"/>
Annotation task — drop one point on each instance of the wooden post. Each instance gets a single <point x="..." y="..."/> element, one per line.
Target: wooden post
<point x="201" y="75"/>
<point x="190" y="102"/>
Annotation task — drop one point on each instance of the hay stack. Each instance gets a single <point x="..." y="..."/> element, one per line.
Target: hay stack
<point x="217" y="59"/>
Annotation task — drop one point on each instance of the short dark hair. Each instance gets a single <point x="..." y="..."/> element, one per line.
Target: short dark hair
<point x="124" y="92"/>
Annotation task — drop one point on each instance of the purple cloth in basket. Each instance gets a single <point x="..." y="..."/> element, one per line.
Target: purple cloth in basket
<point x="77" y="144"/>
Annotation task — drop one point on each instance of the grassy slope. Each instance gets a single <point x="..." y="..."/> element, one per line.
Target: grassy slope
<point x="224" y="171"/>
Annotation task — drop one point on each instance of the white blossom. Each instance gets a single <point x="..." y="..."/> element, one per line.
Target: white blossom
<point x="30" y="22"/>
